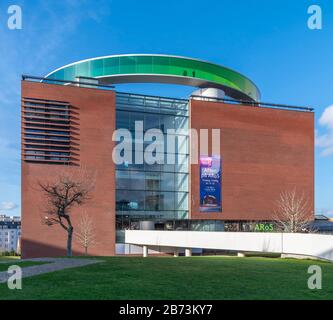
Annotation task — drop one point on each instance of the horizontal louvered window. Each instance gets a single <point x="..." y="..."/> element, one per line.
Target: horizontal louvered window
<point x="46" y="131"/>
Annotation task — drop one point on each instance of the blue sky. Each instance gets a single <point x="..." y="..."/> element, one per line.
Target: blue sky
<point x="268" y="41"/>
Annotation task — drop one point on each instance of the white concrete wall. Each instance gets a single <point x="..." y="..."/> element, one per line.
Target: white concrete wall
<point x="124" y="248"/>
<point x="315" y="245"/>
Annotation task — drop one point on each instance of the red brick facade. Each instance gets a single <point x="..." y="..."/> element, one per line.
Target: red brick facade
<point x="95" y="114"/>
<point x="264" y="151"/>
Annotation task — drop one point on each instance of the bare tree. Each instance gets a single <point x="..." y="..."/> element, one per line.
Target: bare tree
<point x="85" y="234"/>
<point x="62" y="194"/>
<point x="293" y="212"/>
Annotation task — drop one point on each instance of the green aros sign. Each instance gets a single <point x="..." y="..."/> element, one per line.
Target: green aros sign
<point x="264" y="227"/>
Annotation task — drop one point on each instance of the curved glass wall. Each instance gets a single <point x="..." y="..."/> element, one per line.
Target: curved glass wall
<point x="174" y="69"/>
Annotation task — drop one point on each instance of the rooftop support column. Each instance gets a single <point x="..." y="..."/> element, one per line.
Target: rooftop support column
<point x="176" y="252"/>
<point x="145" y="251"/>
<point x="188" y="252"/>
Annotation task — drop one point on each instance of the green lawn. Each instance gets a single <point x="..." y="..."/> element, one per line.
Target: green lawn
<point x="179" y="278"/>
<point x="5" y="266"/>
<point x="10" y="258"/>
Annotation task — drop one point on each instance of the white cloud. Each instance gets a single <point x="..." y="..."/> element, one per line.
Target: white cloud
<point x="8" y="205"/>
<point x="325" y="141"/>
<point x="326" y="118"/>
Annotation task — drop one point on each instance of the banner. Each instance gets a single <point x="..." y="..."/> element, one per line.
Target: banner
<point x="210" y="184"/>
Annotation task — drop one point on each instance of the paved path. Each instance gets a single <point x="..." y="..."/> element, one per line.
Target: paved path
<point x="54" y="264"/>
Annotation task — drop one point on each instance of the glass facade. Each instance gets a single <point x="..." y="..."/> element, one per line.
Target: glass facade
<point x="157" y="191"/>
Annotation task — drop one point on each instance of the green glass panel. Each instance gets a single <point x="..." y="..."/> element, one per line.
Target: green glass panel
<point x="111" y="66"/>
<point x="145" y="65"/>
<point x="97" y="68"/>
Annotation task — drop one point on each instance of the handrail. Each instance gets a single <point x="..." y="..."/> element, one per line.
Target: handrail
<point x="207" y="98"/>
<point x="45" y="80"/>
<point x="253" y="103"/>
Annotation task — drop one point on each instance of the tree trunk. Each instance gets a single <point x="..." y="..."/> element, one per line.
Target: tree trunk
<point x="69" y="241"/>
<point x="86" y="251"/>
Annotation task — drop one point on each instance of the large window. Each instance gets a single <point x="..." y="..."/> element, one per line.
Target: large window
<point x="153" y="191"/>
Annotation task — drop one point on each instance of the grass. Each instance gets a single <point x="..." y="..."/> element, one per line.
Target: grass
<point x="5" y="258"/>
<point x="179" y="278"/>
<point x="5" y="265"/>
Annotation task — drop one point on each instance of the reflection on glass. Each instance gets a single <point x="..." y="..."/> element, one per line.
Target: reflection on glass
<point x="157" y="191"/>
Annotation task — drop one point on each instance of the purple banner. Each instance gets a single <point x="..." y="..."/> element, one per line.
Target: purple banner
<point x="210" y="184"/>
